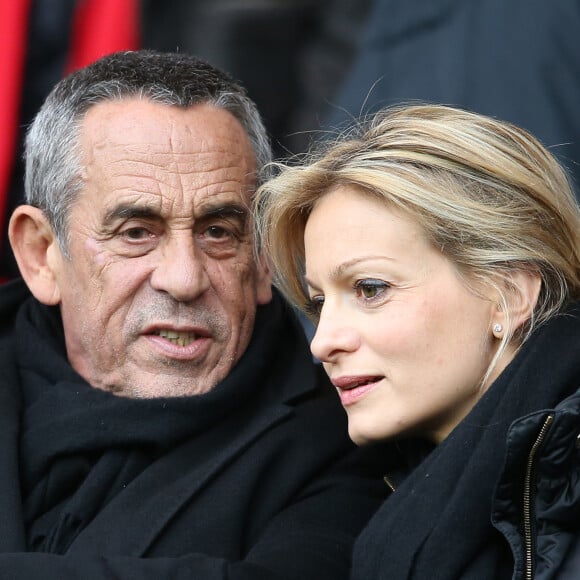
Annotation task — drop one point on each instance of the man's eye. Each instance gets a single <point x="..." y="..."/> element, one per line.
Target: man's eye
<point x="136" y="234"/>
<point x="370" y="289"/>
<point x="218" y="232"/>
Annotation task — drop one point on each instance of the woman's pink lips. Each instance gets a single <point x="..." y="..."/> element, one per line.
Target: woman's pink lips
<point x="352" y="389"/>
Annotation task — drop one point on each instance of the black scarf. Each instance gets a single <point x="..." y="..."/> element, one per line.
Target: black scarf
<point x="437" y="525"/>
<point x="80" y="445"/>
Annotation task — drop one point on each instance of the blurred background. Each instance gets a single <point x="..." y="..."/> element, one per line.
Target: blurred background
<point x="311" y="66"/>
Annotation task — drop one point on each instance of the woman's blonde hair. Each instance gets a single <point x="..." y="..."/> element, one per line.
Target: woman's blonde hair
<point x="485" y="192"/>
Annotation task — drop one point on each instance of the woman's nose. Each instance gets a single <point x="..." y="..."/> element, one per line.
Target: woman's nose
<point x="335" y="334"/>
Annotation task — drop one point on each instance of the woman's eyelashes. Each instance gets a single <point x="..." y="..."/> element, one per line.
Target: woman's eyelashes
<point x="313" y="307"/>
<point x="368" y="290"/>
<point x="371" y="289"/>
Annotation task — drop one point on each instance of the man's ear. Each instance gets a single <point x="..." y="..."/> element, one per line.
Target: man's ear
<point x="36" y="251"/>
<point x="522" y="291"/>
<point x="264" y="281"/>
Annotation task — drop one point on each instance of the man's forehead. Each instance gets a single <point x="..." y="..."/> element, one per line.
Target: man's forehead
<point x="165" y="129"/>
<point x="174" y="156"/>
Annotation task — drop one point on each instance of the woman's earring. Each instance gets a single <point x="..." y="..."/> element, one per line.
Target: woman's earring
<point x="497" y="328"/>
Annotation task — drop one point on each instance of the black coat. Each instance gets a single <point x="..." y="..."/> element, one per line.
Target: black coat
<point x="500" y="497"/>
<point x="271" y="490"/>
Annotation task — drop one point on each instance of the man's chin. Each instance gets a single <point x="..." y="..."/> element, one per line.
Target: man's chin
<point x="163" y="385"/>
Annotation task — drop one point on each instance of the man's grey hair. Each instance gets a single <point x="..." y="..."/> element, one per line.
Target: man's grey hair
<point x="52" y="152"/>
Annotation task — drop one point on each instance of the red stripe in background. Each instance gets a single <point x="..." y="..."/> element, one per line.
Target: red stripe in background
<point x="101" y="27"/>
<point x="13" y="36"/>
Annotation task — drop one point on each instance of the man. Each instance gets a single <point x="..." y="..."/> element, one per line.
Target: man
<point x="160" y="416"/>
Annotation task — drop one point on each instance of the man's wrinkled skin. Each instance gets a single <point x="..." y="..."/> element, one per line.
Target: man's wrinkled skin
<point x="159" y="292"/>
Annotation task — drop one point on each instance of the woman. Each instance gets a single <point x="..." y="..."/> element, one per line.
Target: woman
<point x="438" y="252"/>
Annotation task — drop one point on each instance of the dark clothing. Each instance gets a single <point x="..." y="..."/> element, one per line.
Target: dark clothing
<point x="517" y="60"/>
<point x="254" y="480"/>
<point x="503" y="487"/>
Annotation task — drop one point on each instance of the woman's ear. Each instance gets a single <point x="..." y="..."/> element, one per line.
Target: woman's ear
<point x="522" y="291"/>
<point x="35" y="248"/>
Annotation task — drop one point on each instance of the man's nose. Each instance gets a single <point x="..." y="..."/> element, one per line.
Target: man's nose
<point x="334" y="335"/>
<point x="181" y="270"/>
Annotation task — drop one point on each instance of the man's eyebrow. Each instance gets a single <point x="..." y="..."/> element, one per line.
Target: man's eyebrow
<point x="125" y="212"/>
<point x="227" y="210"/>
<point x="130" y="211"/>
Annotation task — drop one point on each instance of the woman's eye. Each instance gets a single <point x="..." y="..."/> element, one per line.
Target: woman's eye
<point x="313" y="307"/>
<point x="369" y="289"/>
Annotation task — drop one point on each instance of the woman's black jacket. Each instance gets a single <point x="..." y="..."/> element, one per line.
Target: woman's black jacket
<point x="500" y="497"/>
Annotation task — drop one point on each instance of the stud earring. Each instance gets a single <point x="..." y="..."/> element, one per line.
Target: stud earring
<point x="497" y="328"/>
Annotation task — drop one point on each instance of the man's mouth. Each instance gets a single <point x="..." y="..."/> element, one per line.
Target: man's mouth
<point x="177" y="338"/>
